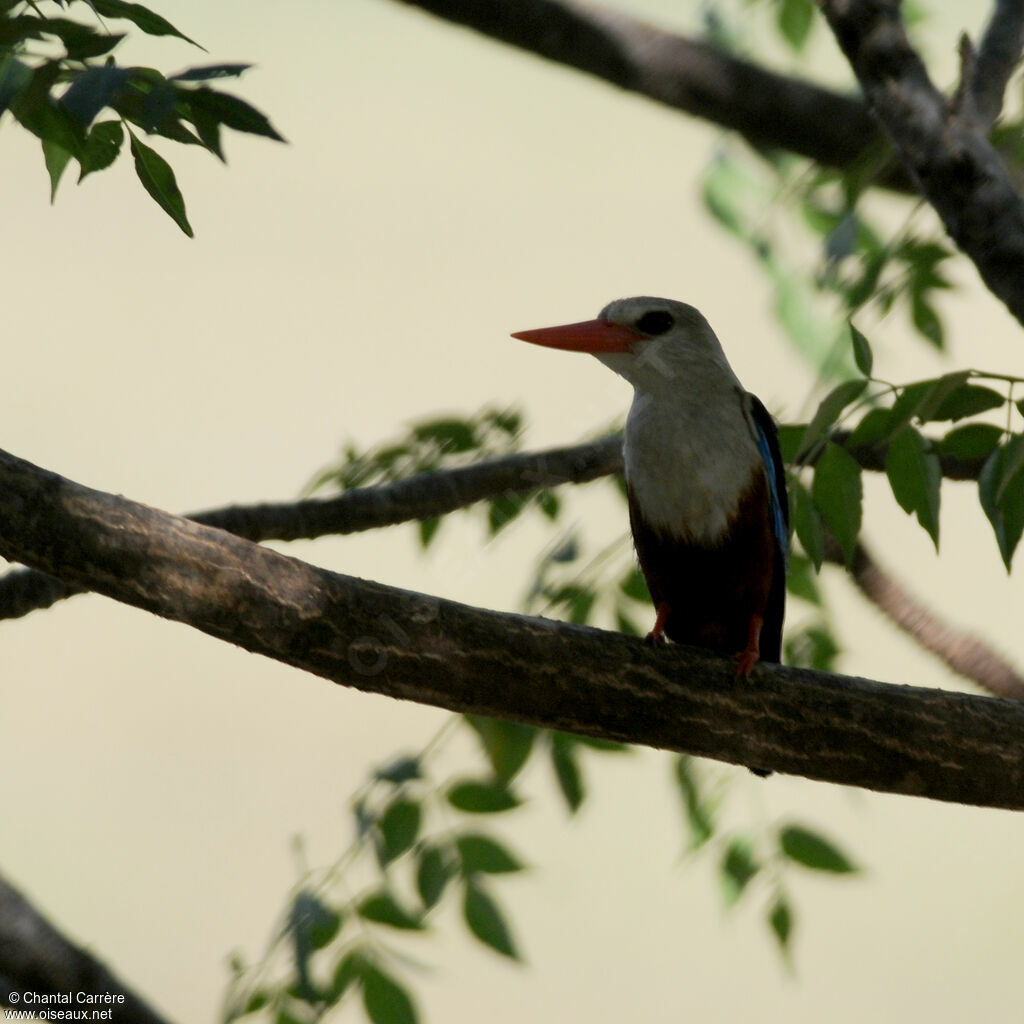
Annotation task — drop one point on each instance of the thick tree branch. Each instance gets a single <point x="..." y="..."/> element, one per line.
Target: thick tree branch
<point x="770" y="110"/>
<point x="959" y="173"/>
<point x="35" y="957"/>
<point x="947" y="746"/>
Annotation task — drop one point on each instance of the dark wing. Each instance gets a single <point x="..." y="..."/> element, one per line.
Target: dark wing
<point x="771" y="454"/>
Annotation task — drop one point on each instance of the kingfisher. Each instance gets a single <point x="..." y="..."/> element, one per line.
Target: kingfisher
<point x="704" y="478"/>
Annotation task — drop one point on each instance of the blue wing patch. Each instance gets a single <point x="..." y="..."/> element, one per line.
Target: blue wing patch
<point x="767" y="437"/>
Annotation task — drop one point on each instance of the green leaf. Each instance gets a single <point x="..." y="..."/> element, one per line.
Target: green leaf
<point x="634" y="586"/>
<point x="158" y="180"/>
<point x="972" y="441"/>
<point x="150" y="23"/>
<point x="968" y="400"/>
<point x="829" y="410"/>
<point x="1001" y="490"/>
<point x="480" y="853"/>
<point x="790" y="437"/>
<point x="432" y="875"/>
<point x="382" y="908"/>
<point x="399" y="826"/>
<point x="796" y="17"/>
<point x="92" y="90"/>
<point x="926" y="320"/>
<point x="812" y="647"/>
<point x="738" y="866"/>
<point x="567" y="770"/>
<point x="838" y="494"/>
<point x="102" y="146"/>
<point x="872" y="429"/>
<point x="861" y="350"/>
<point x="349" y="968"/>
<point x="801" y="580"/>
<point x="14" y="77"/>
<point x="503" y="510"/>
<point x="920" y="401"/>
<point x="482" y="797"/>
<point x="699" y="813"/>
<point x="780" y="920"/>
<point x="401" y="769"/>
<point x="232" y="112"/>
<point x="314" y="924"/>
<point x="56" y="159"/>
<point x="915" y="475"/>
<point x="486" y="921"/>
<point x="508" y="745"/>
<point x="807" y="523"/>
<point x="811" y="850"/>
<point x="385" y="1000"/>
<point x="208" y="72"/>
<point x="452" y="436"/>
<point x="549" y="503"/>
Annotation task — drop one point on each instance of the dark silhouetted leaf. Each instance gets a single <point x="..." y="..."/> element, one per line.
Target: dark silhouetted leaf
<point x="873" y="428"/>
<point x="482" y="797"/>
<point x="14" y="77"/>
<point x="432" y="874"/>
<point x="101" y="147"/>
<point x="807" y="523"/>
<point x="737" y="868"/>
<point x="915" y="475"/>
<point x="56" y="159"/>
<point x="94" y="89"/>
<point x="158" y="180"/>
<point x="385" y="1000"/>
<point x="972" y="441"/>
<point x="838" y="493"/>
<point x="1001" y="490"/>
<point x="401" y="769"/>
<point x="479" y="853"/>
<point x="399" y="826"/>
<point x="208" y="72"/>
<point x="829" y="410"/>
<point x="780" y="919"/>
<point x="968" y="400"/>
<point x="861" y="351"/>
<point x="507" y="744"/>
<point x="802" y="846"/>
<point x="926" y="320"/>
<point x="232" y="112"/>
<point x="150" y="23"/>
<point x="486" y="920"/>
<point x="699" y="814"/>
<point x="920" y="401"/>
<point x="383" y="908"/>
<point x="567" y="770"/>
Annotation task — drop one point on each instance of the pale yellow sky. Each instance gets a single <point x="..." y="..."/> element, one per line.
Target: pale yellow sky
<point x="438" y="191"/>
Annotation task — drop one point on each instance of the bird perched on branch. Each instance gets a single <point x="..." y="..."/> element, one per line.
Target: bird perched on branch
<point x="704" y="478"/>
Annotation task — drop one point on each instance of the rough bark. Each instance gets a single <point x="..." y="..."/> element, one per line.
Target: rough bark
<point x="945" y="151"/>
<point x="770" y="110"/>
<point x="899" y="739"/>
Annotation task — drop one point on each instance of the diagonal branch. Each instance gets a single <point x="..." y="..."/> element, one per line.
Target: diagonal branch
<point x="899" y="739"/>
<point x="991" y="68"/>
<point x="419" y="497"/>
<point x="770" y="110"/>
<point x="957" y="170"/>
<point x="963" y="652"/>
<point x="36" y="958"/>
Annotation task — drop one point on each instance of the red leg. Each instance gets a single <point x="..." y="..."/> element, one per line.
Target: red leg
<point x="747" y="659"/>
<point x="657" y="634"/>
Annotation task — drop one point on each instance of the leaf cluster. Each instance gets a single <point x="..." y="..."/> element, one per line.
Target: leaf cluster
<point x="56" y="87"/>
<point x="746" y="861"/>
<point x="889" y="425"/>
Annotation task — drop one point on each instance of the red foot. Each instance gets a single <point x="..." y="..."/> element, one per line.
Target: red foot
<point x="657" y="634"/>
<point x="747" y="659"/>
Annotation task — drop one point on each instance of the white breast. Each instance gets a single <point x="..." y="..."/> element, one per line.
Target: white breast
<point x="688" y="463"/>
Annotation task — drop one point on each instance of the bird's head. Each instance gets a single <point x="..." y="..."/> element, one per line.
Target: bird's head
<point x="656" y="344"/>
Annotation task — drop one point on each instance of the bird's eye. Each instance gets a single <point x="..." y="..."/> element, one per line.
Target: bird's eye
<point x="656" y="322"/>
